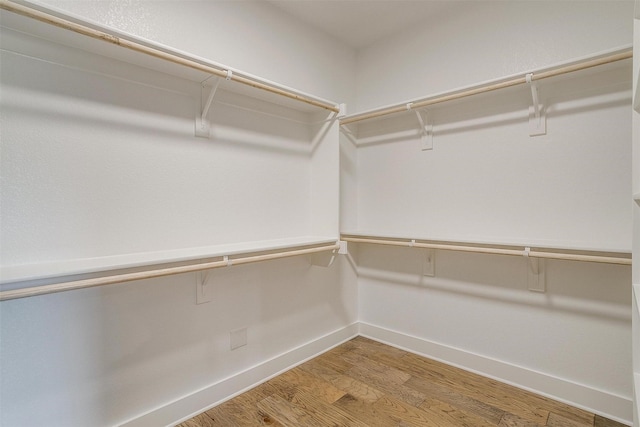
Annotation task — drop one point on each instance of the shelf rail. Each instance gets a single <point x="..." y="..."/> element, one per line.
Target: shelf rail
<point x="157" y="272"/>
<point x="497" y="249"/>
<point x="583" y="64"/>
<point x="219" y="71"/>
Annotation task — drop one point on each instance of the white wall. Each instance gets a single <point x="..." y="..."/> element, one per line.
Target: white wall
<point x="486" y="179"/>
<point x="476" y="41"/>
<point x="99" y="157"/>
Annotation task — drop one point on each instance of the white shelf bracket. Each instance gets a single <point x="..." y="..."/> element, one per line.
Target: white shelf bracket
<point x="535" y="273"/>
<point x="429" y="263"/>
<point x="204" y="292"/>
<point x="326" y="259"/>
<point x="426" y="129"/>
<point x="537" y="116"/>
<point x="322" y="259"/>
<point x="203" y="125"/>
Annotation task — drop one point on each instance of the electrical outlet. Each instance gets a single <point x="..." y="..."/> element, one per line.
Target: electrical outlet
<point x="238" y="338"/>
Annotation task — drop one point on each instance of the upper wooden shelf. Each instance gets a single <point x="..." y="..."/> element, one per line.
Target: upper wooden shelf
<point x="69" y="30"/>
<point x="608" y="58"/>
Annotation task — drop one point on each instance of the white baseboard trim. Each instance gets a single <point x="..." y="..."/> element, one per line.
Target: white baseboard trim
<point x="184" y="408"/>
<point x="608" y="405"/>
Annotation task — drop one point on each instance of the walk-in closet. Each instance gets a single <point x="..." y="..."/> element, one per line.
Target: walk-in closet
<point x="202" y="200"/>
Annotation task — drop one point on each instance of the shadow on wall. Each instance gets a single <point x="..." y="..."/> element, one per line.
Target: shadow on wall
<point x="590" y="289"/>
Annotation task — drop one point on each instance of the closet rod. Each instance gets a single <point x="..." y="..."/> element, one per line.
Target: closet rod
<point x="149" y="274"/>
<point x="137" y="47"/>
<point x="494" y="250"/>
<point x="491" y="86"/>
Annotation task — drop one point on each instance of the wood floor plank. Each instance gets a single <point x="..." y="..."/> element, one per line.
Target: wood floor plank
<point x="343" y="382"/>
<point x="463" y="402"/>
<point x="243" y="411"/>
<point x="298" y="380"/>
<point x="579" y="417"/>
<point x="380" y="371"/>
<point x="333" y="361"/>
<point x="491" y="392"/>
<point x="335" y="416"/>
<point x="366" y="383"/>
<point x="288" y="414"/>
<point x="344" y="347"/>
<point x="382" y="377"/>
<point x="397" y="390"/>
<point x="226" y="416"/>
<point x="605" y="422"/>
<point x="557" y="420"/>
<point x="510" y="420"/>
<point x="454" y="414"/>
<point x="367" y="412"/>
<point x="400" y="411"/>
<point x="438" y="371"/>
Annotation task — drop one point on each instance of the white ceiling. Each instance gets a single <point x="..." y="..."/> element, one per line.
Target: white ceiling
<point x="359" y="23"/>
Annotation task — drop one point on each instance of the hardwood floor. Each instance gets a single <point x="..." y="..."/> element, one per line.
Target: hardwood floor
<point x="364" y="383"/>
